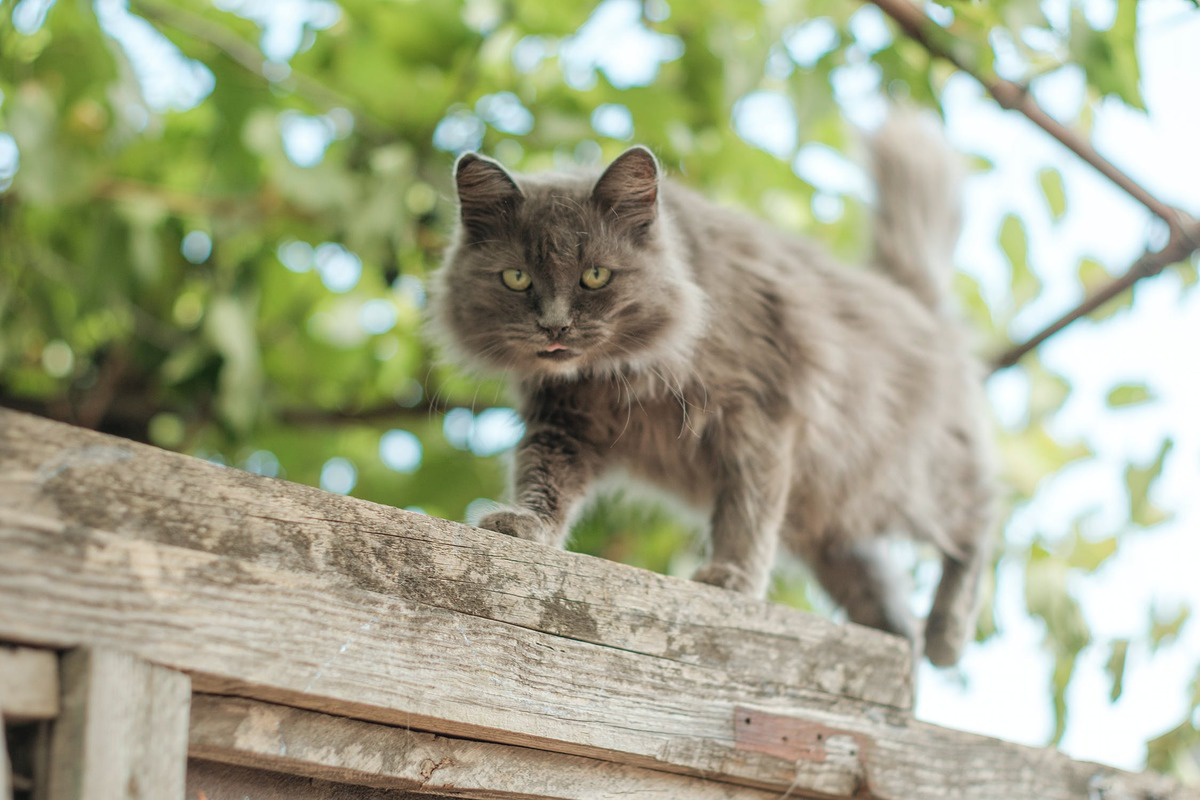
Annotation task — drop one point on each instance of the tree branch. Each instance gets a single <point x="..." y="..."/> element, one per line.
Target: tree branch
<point x="129" y="416"/>
<point x="1184" y="232"/>
<point x="1014" y="97"/>
<point x="1148" y="265"/>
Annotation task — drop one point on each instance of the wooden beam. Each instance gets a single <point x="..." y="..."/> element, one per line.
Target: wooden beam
<point x="28" y="684"/>
<point x="122" y="732"/>
<point x="81" y="477"/>
<point x="305" y="641"/>
<point x="208" y="780"/>
<point x="284" y="739"/>
<point x="284" y="594"/>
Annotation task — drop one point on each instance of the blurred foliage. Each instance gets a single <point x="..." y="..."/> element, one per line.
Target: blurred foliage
<point x="217" y="218"/>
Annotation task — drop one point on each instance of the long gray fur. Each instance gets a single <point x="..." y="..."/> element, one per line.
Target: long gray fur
<point x="792" y="399"/>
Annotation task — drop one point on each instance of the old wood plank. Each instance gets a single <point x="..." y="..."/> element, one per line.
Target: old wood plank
<point x="82" y="477"/>
<point x="122" y="731"/>
<point x="303" y="640"/>
<point x="294" y="741"/>
<point x="208" y="780"/>
<point x="306" y="641"/>
<point x="28" y="683"/>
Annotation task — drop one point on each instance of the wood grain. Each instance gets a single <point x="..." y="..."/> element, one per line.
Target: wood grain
<point x="122" y="730"/>
<point x="304" y="641"/>
<point x="207" y="780"/>
<point x="284" y="739"/>
<point x="28" y="684"/>
<point x="82" y="477"/>
<point x="282" y="594"/>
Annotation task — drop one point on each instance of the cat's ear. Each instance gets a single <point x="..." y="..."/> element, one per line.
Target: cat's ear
<point x="487" y="194"/>
<point x="628" y="189"/>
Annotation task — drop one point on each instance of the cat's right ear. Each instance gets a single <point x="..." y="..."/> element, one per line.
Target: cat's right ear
<point x="487" y="194"/>
<point x="627" y="192"/>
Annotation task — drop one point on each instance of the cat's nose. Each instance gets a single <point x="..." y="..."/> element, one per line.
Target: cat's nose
<point x="554" y="328"/>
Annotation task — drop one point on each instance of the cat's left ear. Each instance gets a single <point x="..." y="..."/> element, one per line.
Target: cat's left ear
<point x="628" y="189"/>
<point x="487" y="194"/>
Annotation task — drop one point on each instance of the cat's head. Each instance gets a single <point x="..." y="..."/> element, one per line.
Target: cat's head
<point x="561" y="275"/>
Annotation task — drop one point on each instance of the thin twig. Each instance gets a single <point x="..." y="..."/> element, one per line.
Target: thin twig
<point x="129" y="415"/>
<point x="1015" y="97"/>
<point x="1184" y="233"/>
<point x="1147" y="266"/>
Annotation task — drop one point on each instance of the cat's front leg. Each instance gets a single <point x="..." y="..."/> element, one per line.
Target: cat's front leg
<point x="554" y="467"/>
<point x="753" y="479"/>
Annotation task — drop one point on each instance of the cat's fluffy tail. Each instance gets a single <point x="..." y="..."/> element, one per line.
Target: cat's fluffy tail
<point x="917" y="218"/>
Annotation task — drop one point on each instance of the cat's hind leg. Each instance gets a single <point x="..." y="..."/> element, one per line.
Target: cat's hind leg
<point x="860" y="577"/>
<point x="955" y="606"/>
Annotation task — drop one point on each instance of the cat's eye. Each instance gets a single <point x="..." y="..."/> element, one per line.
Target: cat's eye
<point x="516" y="279"/>
<point x="596" y="277"/>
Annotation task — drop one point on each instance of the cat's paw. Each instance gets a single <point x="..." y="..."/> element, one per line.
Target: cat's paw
<point x="518" y="523"/>
<point x="731" y="577"/>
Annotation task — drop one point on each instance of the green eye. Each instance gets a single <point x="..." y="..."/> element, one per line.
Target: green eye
<point x="515" y="279"/>
<point x="596" y="277"/>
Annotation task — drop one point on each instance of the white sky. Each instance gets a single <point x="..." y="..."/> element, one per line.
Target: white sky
<point x="1001" y="690"/>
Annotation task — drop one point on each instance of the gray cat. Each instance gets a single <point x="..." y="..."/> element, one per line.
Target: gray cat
<point x="787" y="396"/>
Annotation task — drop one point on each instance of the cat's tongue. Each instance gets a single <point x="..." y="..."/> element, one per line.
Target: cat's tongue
<point x="554" y="348"/>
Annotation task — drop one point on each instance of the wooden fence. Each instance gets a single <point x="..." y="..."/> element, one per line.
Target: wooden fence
<point x="175" y="629"/>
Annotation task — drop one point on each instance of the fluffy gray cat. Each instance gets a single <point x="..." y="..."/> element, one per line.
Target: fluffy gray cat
<point x="790" y="398"/>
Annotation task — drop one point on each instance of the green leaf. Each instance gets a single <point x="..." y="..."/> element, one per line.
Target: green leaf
<point x="1189" y="271"/>
<point x="1165" y="628"/>
<point x="1129" y="394"/>
<point x="1109" y="58"/>
<point x="1176" y="751"/>
<point x="1089" y="555"/>
<point x="1115" y="667"/>
<point x="1051" y="182"/>
<point x="1032" y="454"/>
<point x="1139" y="480"/>
<point x="1067" y="633"/>
<point x="1047" y="390"/>
<point x="1092" y="275"/>
<point x="1023" y="283"/>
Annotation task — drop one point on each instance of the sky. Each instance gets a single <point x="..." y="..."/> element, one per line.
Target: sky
<point x="1000" y="689"/>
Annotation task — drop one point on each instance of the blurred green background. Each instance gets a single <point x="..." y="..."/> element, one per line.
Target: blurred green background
<point x="217" y="219"/>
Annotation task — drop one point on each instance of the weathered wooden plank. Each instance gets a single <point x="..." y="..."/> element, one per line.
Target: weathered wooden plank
<point x="207" y="780"/>
<point x="285" y="739"/>
<point x="122" y="730"/>
<point x="306" y="641"/>
<point x="28" y="684"/>
<point x="82" y="477"/>
<point x="303" y="640"/>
